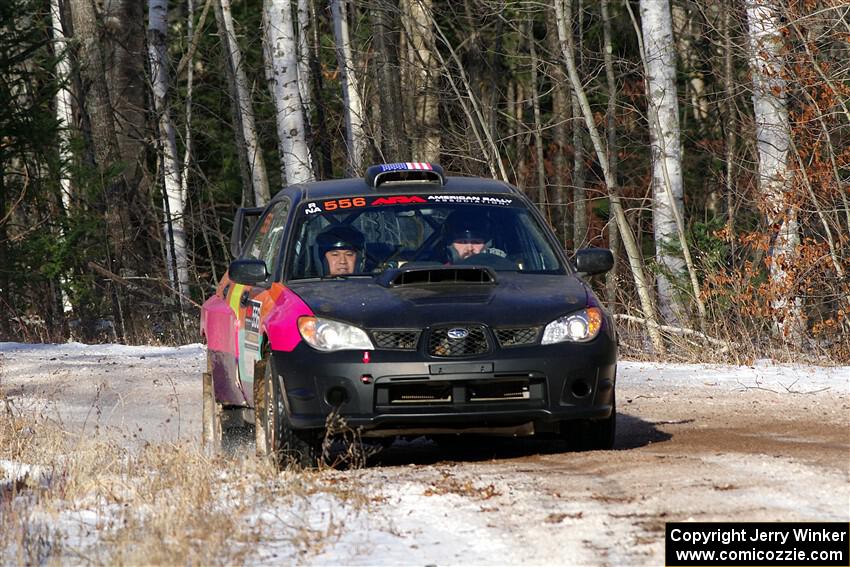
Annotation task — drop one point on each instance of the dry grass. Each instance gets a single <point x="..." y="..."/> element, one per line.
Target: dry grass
<point x="91" y="500"/>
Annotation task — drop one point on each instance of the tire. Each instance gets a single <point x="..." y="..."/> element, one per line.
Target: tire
<point x="592" y="434"/>
<point x="275" y="437"/>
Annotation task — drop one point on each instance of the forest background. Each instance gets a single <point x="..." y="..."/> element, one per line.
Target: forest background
<point x="706" y="142"/>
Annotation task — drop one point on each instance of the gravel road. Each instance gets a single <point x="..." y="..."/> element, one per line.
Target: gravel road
<point x="694" y="442"/>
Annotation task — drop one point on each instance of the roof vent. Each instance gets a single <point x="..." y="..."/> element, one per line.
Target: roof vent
<point x="407" y="172"/>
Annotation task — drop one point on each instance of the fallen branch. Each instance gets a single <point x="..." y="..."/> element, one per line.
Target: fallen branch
<point x="675" y="330"/>
<point x="137" y="289"/>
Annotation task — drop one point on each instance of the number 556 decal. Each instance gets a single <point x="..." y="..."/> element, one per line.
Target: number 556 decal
<point x="344" y="203"/>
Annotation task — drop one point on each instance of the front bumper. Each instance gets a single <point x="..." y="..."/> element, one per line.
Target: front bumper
<point x="408" y="391"/>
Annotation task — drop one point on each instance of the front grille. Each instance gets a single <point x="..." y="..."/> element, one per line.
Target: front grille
<point x="517" y="337"/>
<point x="442" y="345"/>
<point x="499" y="390"/>
<point x="427" y="393"/>
<point x="396" y="340"/>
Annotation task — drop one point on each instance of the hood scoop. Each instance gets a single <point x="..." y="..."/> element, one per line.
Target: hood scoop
<point x="437" y="275"/>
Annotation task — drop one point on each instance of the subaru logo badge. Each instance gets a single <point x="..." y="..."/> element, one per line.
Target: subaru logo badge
<point x="457" y="333"/>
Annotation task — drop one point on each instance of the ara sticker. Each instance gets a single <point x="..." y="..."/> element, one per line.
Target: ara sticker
<point x="398" y="200"/>
<point x="312" y="209"/>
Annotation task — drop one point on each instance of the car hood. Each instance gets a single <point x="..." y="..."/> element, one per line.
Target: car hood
<point x="514" y="300"/>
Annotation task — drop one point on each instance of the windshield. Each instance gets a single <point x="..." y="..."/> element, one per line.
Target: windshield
<point x="367" y="235"/>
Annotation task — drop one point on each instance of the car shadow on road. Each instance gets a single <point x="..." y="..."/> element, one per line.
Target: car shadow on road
<point x="632" y="433"/>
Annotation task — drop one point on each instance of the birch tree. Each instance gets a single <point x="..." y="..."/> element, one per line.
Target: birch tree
<point x="64" y="119"/>
<point x="667" y="183"/>
<point x="773" y="140"/>
<point x="563" y="16"/>
<point x="244" y="107"/>
<point x="174" y="200"/>
<point x="282" y="72"/>
<point x="64" y="108"/>
<point x="352" y="102"/>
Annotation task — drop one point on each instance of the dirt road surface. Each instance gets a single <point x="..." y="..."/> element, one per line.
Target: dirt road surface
<point x="694" y="442"/>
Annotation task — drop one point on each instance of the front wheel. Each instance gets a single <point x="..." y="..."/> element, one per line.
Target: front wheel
<point x="592" y="434"/>
<point x="275" y="437"/>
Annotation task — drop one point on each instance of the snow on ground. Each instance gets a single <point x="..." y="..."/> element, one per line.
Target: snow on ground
<point x="152" y="394"/>
<point x="142" y="393"/>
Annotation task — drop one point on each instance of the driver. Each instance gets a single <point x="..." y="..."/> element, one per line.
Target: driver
<point x="341" y="248"/>
<point x="466" y="236"/>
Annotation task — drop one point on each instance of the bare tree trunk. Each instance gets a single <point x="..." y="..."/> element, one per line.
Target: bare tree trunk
<point x="190" y="78"/>
<point x="613" y="158"/>
<point x="282" y="71"/>
<point x="579" y="178"/>
<point x="124" y="48"/>
<point x="175" y="235"/>
<point x="668" y="187"/>
<point x="321" y="138"/>
<point x="563" y="12"/>
<point x="64" y="108"/>
<point x="64" y="121"/>
<point x="538" y="129"/>
<point x="683" y="27"/>
<point x="728" y="119"/>
<point x="561" y="114"/>
<point x="667" y="182"/>
<point x="384" y="17"/>
<point x="773" y="136"/>
<point x="305" y="76"/>
<point x="98" y="110"/>
<point x="352" y="102"/>
<point x="244" y="107"/>
<point x="235" y="112"/>
<point x="422" y="74"/>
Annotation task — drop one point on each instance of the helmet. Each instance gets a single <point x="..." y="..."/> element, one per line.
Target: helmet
<point x="340" y="237"/>
<point x="462" y="225"/>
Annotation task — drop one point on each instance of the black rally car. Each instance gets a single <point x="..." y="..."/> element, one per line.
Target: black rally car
<point x="409" y="303"/>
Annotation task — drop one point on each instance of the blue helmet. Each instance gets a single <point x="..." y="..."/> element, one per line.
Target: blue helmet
<point x="340" y="237"/>
<point x="464" y="225"/>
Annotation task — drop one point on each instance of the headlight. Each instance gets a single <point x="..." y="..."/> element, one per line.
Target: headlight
<point x="328" y="335"/>
<point x="579" y="327"/>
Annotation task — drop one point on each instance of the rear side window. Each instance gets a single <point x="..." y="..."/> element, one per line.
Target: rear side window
<point x="266" y="241"/>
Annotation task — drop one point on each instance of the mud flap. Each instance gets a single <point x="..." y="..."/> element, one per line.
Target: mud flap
<point x="211" y="418"/>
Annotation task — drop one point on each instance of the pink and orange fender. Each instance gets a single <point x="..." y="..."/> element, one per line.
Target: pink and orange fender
<point x="281" y="324"/>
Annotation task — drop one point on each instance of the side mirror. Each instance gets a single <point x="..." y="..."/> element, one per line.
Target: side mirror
<point x="242" y="225"/>
<point x="248" y="272"/>
<point x="592" y="261"/>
